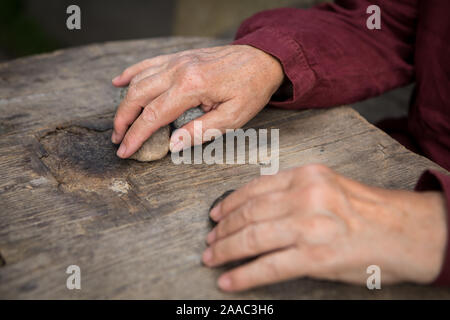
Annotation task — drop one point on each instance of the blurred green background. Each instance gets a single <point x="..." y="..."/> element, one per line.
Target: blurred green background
<point x="36" y="26"/>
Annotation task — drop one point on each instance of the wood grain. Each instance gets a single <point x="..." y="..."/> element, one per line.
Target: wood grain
<point x="137" y="230"/>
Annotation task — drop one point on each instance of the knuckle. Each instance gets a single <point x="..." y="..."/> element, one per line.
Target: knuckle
<point x="149" y="114"/>
<point x="133" y="137"/>
<point x="220" y="229"/>
<point x="223" y="228"/>
<point x="235" y="115"/>
<point x="314" y="190"/>
<point x="314" y="195"/>
<point x="219" y="252"/>
<point x="272" y="268"/>
<point x="191" y="69"/>
<point x="191" y="77"/>
<point x="178" y="64"/>
<point x="133" y="92"/>
<point x="127" y="139"/>
<point x="226" y="204"/>
<point x="246" y="212"/>
<point x="181" y="60"/>
<point x="135" y="80"/>
<point x="227" y="122"/>
<point x="314" y="169"/>
<point x="251" y="239"/>
<point x="315" y="184"/>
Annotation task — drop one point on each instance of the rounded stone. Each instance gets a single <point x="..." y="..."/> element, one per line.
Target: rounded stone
<point x="155" y="148"/>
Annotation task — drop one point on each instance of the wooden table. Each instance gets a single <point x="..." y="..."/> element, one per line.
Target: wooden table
<point x="137" y="230"/>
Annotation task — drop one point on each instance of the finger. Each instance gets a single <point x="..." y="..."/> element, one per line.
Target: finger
<point x="161" y="111"/>
<point x="125" y="77"/>
<point x="257" y="209"/>
<point x="267" y="269"/>
<point x="146" y="73"/>
<point x="250" y="241"/>
<point x="137" y="97"/>
<point x="215" y="121"/>
<point x="218" y="118"/>
<point x="256" y="187"/>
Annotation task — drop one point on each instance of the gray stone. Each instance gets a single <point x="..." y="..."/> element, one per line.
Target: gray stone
<point x="122" y="93"/>
<point x="155" y="148"/>
<point x="187" y="116"/>
<point x="118" y="97"/>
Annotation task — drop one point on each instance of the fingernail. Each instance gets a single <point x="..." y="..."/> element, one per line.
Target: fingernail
<point x="115" y="79"/>
<point x="176" y="147"/>
<point x="121" y="151"/>
<point x="114" y="137"/>
<point x="224" y="282"/>
<point x="211" y="236"/>
<point x="207" y="256"/>
<point x="215" y="213"/>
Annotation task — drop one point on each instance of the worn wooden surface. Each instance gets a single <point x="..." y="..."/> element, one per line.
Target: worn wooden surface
<point x="137" y="230"/>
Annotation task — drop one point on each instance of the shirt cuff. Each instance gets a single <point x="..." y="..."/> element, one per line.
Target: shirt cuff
<point x="432" y="180"/>
<point x="292" y="58"/>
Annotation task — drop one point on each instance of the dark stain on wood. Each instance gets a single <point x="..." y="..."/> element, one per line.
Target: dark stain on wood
<point x="83" y="150"/>
<point x="83" y="160"/>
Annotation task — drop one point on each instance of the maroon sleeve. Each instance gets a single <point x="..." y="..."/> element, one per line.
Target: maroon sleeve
<point x="328" y="54"/>
<point x="436" y="181"/>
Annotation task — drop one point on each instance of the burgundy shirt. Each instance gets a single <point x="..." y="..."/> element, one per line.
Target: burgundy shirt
<point x="331" y="58"/>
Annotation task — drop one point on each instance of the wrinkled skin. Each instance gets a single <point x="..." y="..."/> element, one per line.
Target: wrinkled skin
<point x="307" y="221"/>
<point x="231" y="83"/>
<point x="311" y="221"/>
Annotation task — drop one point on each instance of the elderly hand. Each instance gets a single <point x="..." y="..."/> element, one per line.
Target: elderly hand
<point x="232" y="83"/>
<point x="313" y="222"/>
